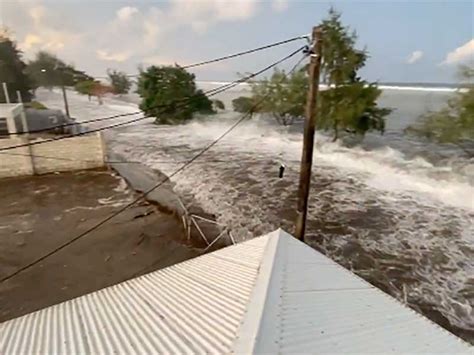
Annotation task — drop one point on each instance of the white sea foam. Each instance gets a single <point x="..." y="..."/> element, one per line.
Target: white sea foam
<point x="406" y="213"/>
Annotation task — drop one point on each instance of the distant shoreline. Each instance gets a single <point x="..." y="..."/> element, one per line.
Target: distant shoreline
<point x="382" y="85"/>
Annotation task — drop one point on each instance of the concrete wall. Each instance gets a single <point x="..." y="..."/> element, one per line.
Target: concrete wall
<point x="15" y="165"/>
<point x="85" y="152"/>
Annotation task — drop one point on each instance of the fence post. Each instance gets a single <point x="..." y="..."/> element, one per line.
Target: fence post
<point x="5" y="91"/>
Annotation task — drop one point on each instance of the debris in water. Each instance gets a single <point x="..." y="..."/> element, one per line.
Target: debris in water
<point x="282" y="170"/>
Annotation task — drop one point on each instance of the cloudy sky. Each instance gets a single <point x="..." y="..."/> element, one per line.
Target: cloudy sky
<point x="408" y="41"/>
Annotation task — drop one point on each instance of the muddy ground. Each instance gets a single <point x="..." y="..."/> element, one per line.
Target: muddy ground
<point x="39" y="213"/>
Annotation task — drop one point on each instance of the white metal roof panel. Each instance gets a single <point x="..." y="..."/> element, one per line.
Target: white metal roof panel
<point x="269" y="295"/>
<point x="192" y="307"/>
<point x="314" y="305"/>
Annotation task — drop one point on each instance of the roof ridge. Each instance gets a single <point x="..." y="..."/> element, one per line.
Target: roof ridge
<point x="247" y="333"/>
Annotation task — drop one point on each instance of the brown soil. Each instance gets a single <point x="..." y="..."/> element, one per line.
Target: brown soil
<point x="40" y="213"/>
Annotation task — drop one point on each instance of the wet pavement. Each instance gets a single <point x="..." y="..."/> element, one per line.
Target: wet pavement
<point x="42" y="212"/>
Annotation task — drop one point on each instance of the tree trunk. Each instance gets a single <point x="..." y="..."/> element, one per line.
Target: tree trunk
<point x="336" y="131"/>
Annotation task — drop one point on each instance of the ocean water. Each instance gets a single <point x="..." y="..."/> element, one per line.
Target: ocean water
<point x="396" y="210"/>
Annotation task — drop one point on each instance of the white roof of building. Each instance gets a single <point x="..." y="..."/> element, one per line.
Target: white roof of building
<point x="272" y="294"/>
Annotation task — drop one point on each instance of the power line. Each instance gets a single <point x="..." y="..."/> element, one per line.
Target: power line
<point x="53" y="139"/>
<point x="169" y="161"/>
<point x="238" y="54"/>
<point x="51" y="128"/>
<point x="244" y="52"/>
<point x="210" y="93"/>
<point x="252" y="75"/>
<point x="184" y="166"/>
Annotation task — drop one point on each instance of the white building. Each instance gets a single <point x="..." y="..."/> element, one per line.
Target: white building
<point x="12" y="119"/>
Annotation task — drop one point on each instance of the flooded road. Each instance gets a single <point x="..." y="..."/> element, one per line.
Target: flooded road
<point x="397" y="212"/>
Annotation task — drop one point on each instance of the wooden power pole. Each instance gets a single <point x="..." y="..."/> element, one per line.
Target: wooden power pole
<point x="66" y="105"/>
<point x="308" y="140"/>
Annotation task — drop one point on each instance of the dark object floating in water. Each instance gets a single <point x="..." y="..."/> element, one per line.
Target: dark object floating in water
<point x="282" y="171"/>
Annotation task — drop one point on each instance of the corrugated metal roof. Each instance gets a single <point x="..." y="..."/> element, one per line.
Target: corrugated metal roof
<point x="270" y="294"/>
<point x="192" y="307"/>
<point x="314" y="305"/>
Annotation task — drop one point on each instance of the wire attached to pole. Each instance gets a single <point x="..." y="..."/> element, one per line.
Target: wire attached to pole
<point x="184" y="166"/>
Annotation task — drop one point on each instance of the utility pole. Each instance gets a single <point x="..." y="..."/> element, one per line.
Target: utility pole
<point x="309" y="127"/>
<point x="66" y="105"/>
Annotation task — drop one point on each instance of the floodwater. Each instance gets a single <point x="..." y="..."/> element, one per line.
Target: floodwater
<point x="395" y="210"/>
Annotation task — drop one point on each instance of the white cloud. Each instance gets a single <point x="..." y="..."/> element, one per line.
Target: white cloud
<point x="461" y="54"/>
<point x="35" y="27"/>
<point x="130" y="35"/>
<point x="112" y="57"/>
<point x="280" y="5"/>
<point x="208" y="12"/>
<point x="239" y="10"/>
<point x="126" y="13"/>
<point x="30" y="41"/>
<point x="158" y="60"/>
<point x="415" y="57"/>
<point x="37" y="13"/>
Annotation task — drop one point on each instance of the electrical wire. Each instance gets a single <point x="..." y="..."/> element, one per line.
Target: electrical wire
<point x="184" y="166"/>
<point x="238" y="54"/>
<point x="169" y="161"/>
<point x="244" y="52"/>
<point x="52" y="128"/>
<point x="210" y="93"/>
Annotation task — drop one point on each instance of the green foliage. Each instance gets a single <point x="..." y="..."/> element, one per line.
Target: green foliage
<point x="242" y="104"/>
<point x="12" y="71"/>
<point x="49" y="71"/>
<point x="348" y="105"/>
<point x="351" y="108"/>
<point x="454" y="123"/>
<point x="85" y="87"/>
<point x="202" y="104"/>
<point x="340" y="59"/>
<point x="282" y="95"/>
<point x="218" y="104"/>
<point x="36" y="105"/>
<point x="164" y="91"/>
<point x="120" y="82"/>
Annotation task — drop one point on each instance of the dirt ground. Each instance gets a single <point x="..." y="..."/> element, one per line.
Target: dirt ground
<point x="39" y="213"/>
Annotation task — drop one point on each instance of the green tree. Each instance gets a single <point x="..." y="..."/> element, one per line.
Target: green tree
<point x="170" y="94"/>
<point x="340" y="59"/>
<point x="283" y="96"/>
<point x="352" y="108"/>
<point x="242" y="104"/>
<point x="454" y="123"/>
<point x="85" y="87"/>
<point x="119" y="81"/>
<point x="348" y="105"/>
<point x="47" y="70"/>
<point x="12" y="70"/>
